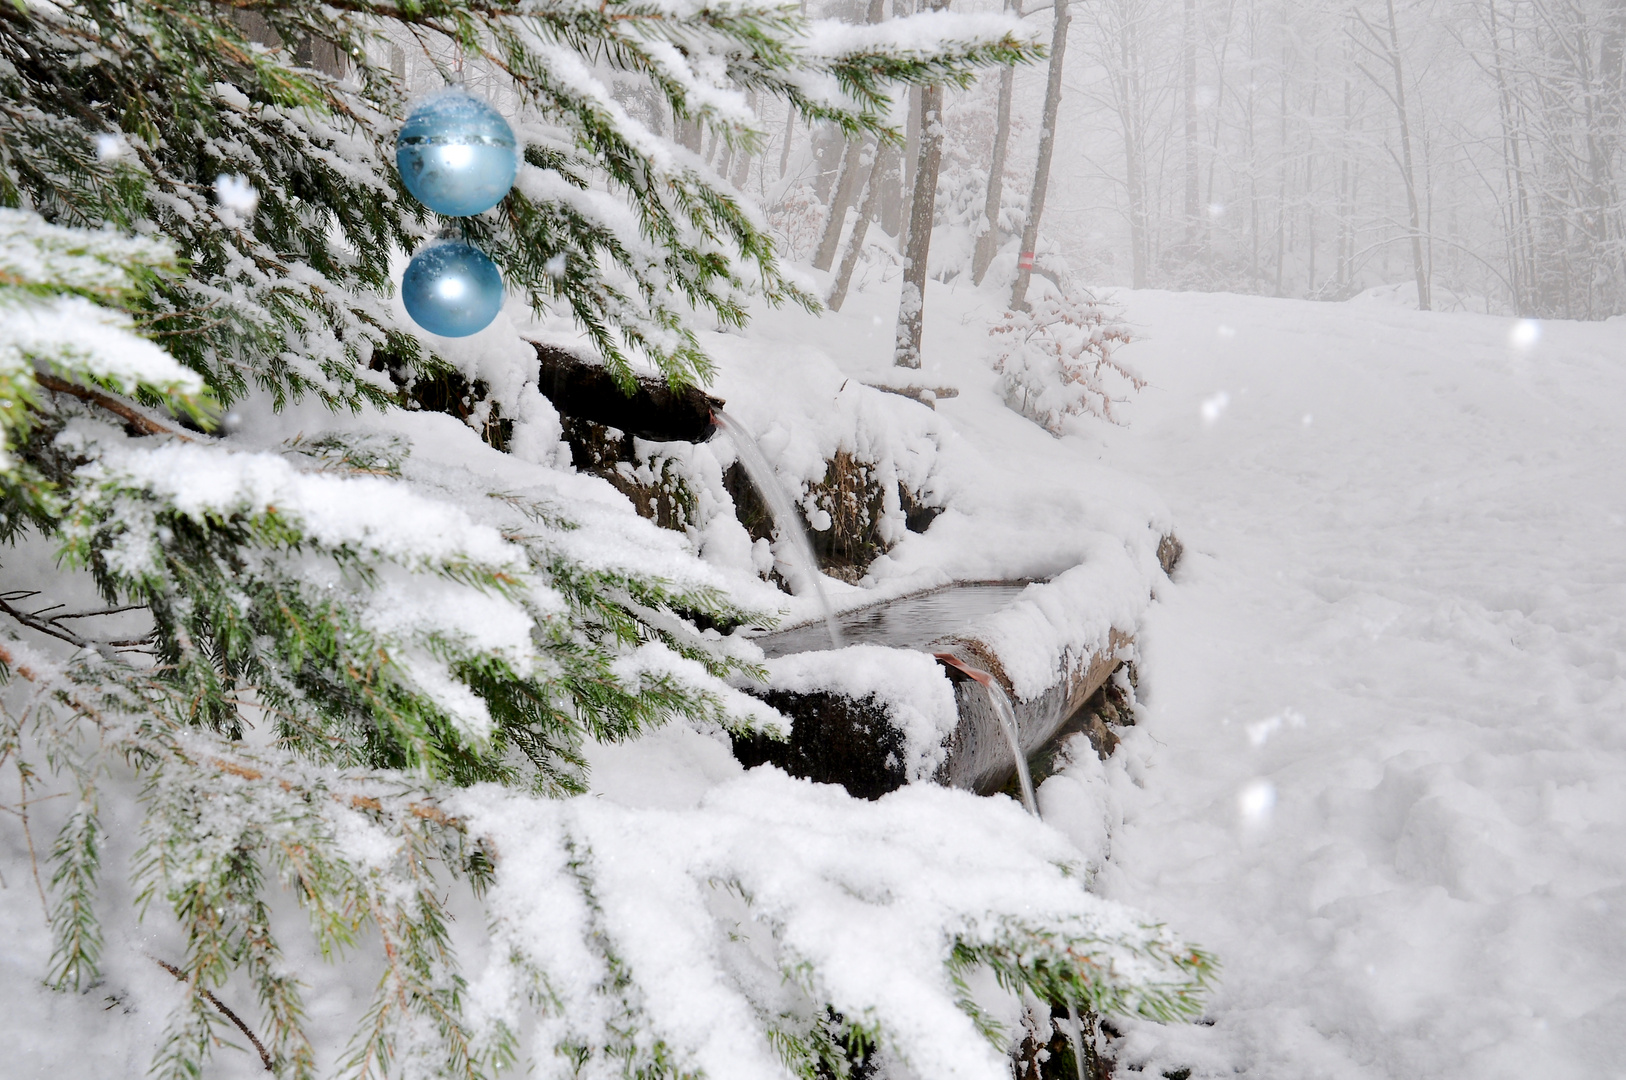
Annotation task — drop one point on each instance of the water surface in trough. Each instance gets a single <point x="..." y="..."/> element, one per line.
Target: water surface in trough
<point x="911" y="622"/>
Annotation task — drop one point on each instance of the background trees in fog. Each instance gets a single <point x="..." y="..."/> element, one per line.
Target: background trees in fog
<point x="1462" y="153"/>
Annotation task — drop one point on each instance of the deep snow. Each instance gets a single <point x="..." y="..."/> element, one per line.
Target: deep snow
<point x="1382" y="763"/>
<point x="1380" y="766"/>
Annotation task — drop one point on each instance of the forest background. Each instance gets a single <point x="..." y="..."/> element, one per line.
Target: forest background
<point x="1469" y="150"/>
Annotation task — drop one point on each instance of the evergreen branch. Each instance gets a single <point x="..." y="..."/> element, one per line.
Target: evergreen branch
<point x="207" y="995"/>
<point x="128" y="413"/>
<point x="53" y="627"/>
<point x="23" y="775"/>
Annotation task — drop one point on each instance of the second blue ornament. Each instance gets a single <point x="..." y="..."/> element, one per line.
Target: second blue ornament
<point x="456" y="154"/>
<point x="452" y="289"/>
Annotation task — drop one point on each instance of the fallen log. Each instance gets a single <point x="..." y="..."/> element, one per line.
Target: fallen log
<point x="586" y="390"/>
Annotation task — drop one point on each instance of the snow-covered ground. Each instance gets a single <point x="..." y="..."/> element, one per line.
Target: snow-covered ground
<point x="1380" y="767"/>
<point x="1382" y="763"/>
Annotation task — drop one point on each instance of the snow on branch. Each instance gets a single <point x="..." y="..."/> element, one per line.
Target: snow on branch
<point x="783" y="899"/>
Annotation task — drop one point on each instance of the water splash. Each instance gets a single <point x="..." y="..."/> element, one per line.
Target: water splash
<point x="1077" y="1035"/>
<point x="785" y="514"/>
<point x="1007" y="721"/>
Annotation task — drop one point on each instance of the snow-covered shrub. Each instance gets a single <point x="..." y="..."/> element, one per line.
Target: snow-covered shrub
<point x="1056" y="360"/>
<point x="797" y="218"/>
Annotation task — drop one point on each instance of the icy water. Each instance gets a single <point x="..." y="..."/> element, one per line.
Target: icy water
<point x="912" y="622"/>
<point x="1007" y="723"/>
<point x="785" y="515"/>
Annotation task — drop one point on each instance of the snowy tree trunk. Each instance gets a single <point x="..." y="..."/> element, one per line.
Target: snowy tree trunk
<point x="850" y="186"/>
<point x="911" y="161"/>
<point x="1188" y="45"/>
<point x="988" y="241"/>
<point x="790" y="131"/>
<point x="922" y="209"/>
<point x="845" y="193"/>
<point x="1041" y="173"/>
<point x="1387" y="45"/>
<point x="874" y="191"/>
<point x="742" y="160"/>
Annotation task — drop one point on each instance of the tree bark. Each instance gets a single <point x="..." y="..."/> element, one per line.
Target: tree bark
<point x="911" y="161"/>
<point x="988" y="241"/>
<point x="844" y="194"/>
<point x="790" y="129"/>
<point x="871" y="209"/>
<point x="1189" y="46"/>
<point x="1041" y="173"/>
<point x="848" y="186"/>
<point x="922" y="208"/>
<point x="742" y="160"/>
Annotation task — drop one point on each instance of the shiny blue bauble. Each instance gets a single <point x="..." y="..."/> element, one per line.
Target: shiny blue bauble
<point x="456" y="154"/>
<point x="452" y="289"/>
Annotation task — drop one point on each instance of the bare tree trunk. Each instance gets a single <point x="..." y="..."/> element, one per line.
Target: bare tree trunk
<point x="790" y="129"/>
<point x="1608" y="275"/>
<point x="1517" y="216"/>
<point x="922" y="208"/>
<point x="911" y="161"/>
<point x="1189" y="46"/>
<point x="1130" y="104"/>
<point x="868" y="212"/>
<point x="1252" y="149"/>
<point x="846" y="190"/>
<point x="1346" y="185"/>
<point x="1389" y="48"/>
<point x="1041" y="172"/>
<point x="1214" y="145"/>
<point x="1284" y="163"/>
<point x="1309" y="172"/>
<point x="690" y="133"/>
<point x="988" y="242"/>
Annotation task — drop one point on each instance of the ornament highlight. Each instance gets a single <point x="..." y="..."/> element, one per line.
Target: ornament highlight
<point x="452" y="289"/>
<point x="456" y="154"/>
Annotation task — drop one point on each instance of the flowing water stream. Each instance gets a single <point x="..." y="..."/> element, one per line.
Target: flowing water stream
<point x="1007" y="722"/>
<point x="785" y="514"/>
<point x="909" y="622"/>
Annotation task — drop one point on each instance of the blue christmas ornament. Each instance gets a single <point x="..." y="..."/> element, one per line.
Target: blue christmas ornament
<point x="456" y="154"/>
<point x="452" y="289"/>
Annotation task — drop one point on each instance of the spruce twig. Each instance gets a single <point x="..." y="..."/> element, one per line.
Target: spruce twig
<point x="33" y="860"/>
<point x="52" y="625"/>
<point x="128" y="413"/>
<point x="265" y="1057"/>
